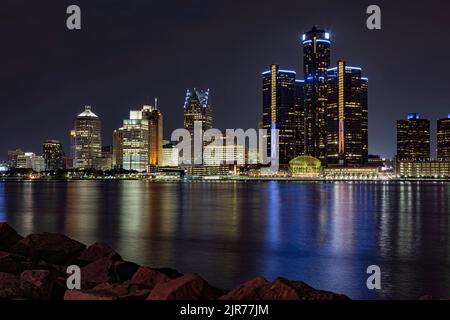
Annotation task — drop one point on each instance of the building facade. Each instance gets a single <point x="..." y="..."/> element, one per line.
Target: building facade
<point x="170" y="155"/>
<point x="135" y="142"/>
<point x="53" y="155"/>
<point x="413" y="138"/>
<point x="316" y="61"/>
<point x="280" y="112"/>
<point x="345" y="119"/>
<point x="155" y="133"/>
<point x="197" y="107"/>
<point x="117" y="152"/>
<point x="87" y="139"/>
<point x="443" y="139"/>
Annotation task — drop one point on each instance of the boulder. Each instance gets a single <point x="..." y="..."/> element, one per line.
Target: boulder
<point x="171" y="273"/>
<point x="103" y="291"/>
<point x="97" y="251"/>
<point x="42" y="280"/>
<point x="50" y="247"/>
<point x="147" y="278"/>
<point x="188" y="287"/>
<point x="124" y="270"/>
<point x="8" y="236"/>
<point x="283" y="289"/>
<point x="14" y="288"/>
<point x="14" y="263"/>
<point x="247" y="291"/>
<point x="97" y="272"/>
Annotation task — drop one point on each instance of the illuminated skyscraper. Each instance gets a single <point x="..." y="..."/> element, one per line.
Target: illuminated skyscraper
<point x="279" y="111"/>
<point x="117" y="156"/>
<point x="345" y="119"/>
<point x="197" y="108"/>
<point x="155" y="133"/>
<point x="443" y="139"/>
<point x="135" y="142"/>
<point x="413" y="138"/>
<point x="53" y="155"/>
<point x="299" y="118"/>
<point x="365" y="118"/>
<point x="88" y="139"/>
<point x="316" y="61"/>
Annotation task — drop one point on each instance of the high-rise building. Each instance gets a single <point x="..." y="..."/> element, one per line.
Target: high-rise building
<point x="344" y="116"/>
<point x="135" y="142"/>
<point x="197" y="107"/>
<point x="88" y="139"/>
<point x="117" y="157"/>
<point x="279" y="112"/>
<point x="365" y="118"/>
<point x="155" y="133"/>
<point x="12" y="157"/>
<point x="170" y="155"/>
<point x="299" y="117"/>
<point x="413" y="138"/>
<point x="443" y="139"/>
<point x="29" y="160"/>
<point x="53" y="155"/>
<point x="316" y="61"/>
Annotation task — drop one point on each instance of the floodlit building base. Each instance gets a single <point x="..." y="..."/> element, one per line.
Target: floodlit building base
<point x="423" y="169"/>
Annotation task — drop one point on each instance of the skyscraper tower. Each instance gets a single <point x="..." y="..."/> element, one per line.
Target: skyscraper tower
<point x="299" y="117"/>
<point x="279" y="111"/>
<point x="443" y="139"/>
<point x="413" y="138"/>
<point x="197" y="108"/>
<point x="155" y="133"/>
<point x="53" y="155"/>
<point x="316" y="61"/>
<point x="344" y="115"/>
<point x="88" y="139"/>
<point x="365" y="118"/>
<point x="135" y="142"/>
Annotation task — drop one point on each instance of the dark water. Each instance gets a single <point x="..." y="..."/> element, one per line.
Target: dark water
<point x="326" y="234"/>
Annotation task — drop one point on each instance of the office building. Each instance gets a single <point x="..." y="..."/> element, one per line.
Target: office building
<point x="443" y="139"/>
<point x="87" y="139"/>
<point x="53" y="155"/>
<point x="413" y="138"/>
<point x="170" y="155"/>
<point x="197" y="107"/>
<point x="29" y="160"/>
<point x="155" y="133"/>
<point x="135" y="142"/>
<point x="316" y="61"/>
<point x="117" y="157"/>
<point x="12" y="157"/>
<point x="279" y="112"/>
<point x="344" y="116"/>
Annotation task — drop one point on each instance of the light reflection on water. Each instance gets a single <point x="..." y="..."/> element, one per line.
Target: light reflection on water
<point x="326" y="234"/>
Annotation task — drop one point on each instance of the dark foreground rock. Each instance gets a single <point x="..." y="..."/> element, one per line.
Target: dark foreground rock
<point x="34" y="268"/>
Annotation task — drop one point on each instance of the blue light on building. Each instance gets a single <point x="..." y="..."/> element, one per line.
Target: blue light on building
<point x="414" y="116"/>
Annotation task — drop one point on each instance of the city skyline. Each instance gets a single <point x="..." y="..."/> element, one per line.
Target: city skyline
<point x="70" y="79"/>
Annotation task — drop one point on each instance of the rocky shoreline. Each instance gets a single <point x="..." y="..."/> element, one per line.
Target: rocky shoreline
<point x="35" y="268"/>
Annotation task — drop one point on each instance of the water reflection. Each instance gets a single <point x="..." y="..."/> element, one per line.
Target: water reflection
<point x="324" y="233"/>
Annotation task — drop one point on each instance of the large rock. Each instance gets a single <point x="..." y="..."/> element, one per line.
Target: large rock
<point x="42" y="280"/>
<point x="13" y="288"/>
<point x="95" y="252"/>
<point x="283" y="289"/>
<point x="107" y="291"/>
<point x="249" y="290"/>
<point x="8" y="236"/>
<point x="124" y="270"/>
<point x="97" y="272"/>
<point x="51" y="247"/>
<point x="14" y="263"/>
<point x="188" y="287"/>
<point x="147" y="278"/>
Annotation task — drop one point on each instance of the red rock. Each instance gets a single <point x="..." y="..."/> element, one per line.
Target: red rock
<point x="14" y="263"/>
<point x="97" y="272"/>
<point x="12" y="287"/>
<point x="51" y="247"/>
<point x="97" y="251"/>
<point x="140" y="294"/>
<point x="247" y="291"/>
<point x="88" y="295"/>
<point x="187" y="287"/>
<point x="8" y="236"/>
<point x="124" y="270"/>
<point x="147" y="278"/>
<point x="42" y="280"/>
<point x="171" y="273"/>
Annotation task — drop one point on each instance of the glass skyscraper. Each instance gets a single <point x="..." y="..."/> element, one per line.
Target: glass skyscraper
<point x="316" y="61"/>
<point x="443" y="139"/>
<point x="87" y="139"/>
<point x="413" y="138"/>
<point x="53" y="155"/>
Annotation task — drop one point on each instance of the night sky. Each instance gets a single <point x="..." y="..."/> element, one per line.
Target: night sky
<point x="130" y="51"/>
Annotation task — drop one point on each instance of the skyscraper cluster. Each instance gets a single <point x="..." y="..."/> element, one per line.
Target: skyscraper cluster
<point x="324" y="114"/>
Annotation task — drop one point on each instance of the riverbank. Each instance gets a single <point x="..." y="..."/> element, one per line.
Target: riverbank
<point x="35" y="268"/>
